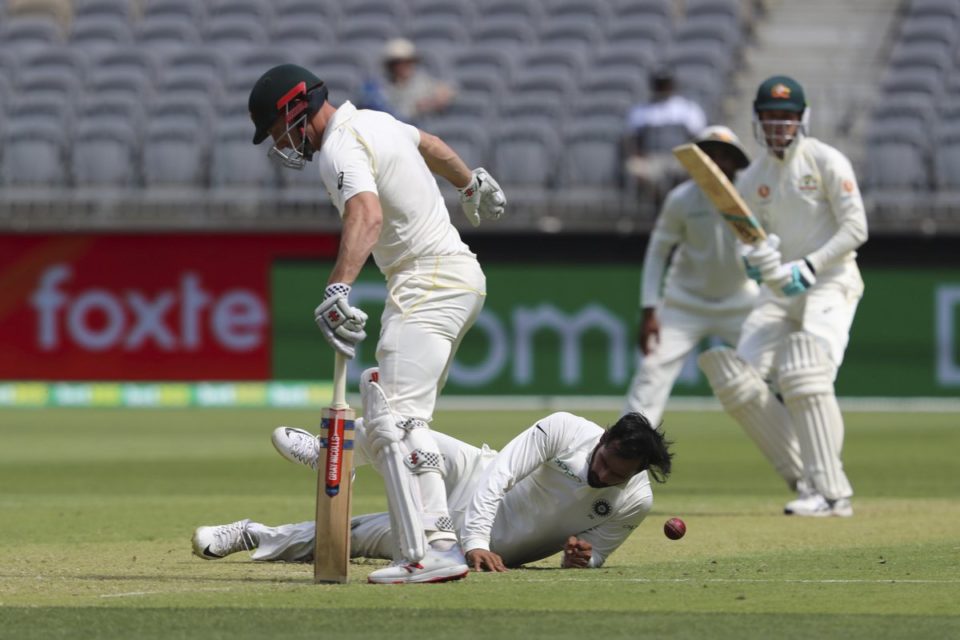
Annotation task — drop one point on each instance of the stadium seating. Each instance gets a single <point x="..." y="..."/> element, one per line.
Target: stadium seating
<point x="149" y="96"/>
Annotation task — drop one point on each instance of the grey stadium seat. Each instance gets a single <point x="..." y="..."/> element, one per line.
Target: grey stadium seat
<point x="307" y="9"/>
<point x="480" y="56"/>
<point x="33" y="154"/>
<point x="104" y="154"/>
<point x="120" y="81"/>
<point x="531" y="107"/>
<point x="100" y="32"/>
<point x="123" y="9"/>
<point x="637" y="32"/>
<point x="58" y="59"/>
<point x="190" y="9"/>
<point x="367" y="30"/>
<point x="615" y="85"/>
<point x="591" y="155"/>
<point x="716" y="10"/>
<point x="28" y="107"/>
<point x="437" y="31"/>
<point x="114" y="108"/>
<point x="896" y="158"/>
<point x="553" y="58"/>
<point x="593" y="12"/>
<point x="235" y="31"/>
<point x="165" y="32"/>
<point x="301" y="33"/>
<point x="188" y="110"/>
<point x="23" y="33"/>
<point x="909" y="106"/>
<point x="463" y="10"/>
<point x="524" y="155"/>
<point x="918" y="81"/>
<point x="570" y="31"/>
<point x="50" y="81"/>
<point x="946" y="10"/>
<point x="497" y="31"/>
<point x="557" y="83"/>
<point x="652" y="11"/>
<point x="128" y="59"/>
<point x="526" y="11"/>
<point x="933" y="56"/>
<point x="219" y="10"/>
<point x="928" y="30"/>
<point x="946" y="158"/>
<point x="174" y="155"/>
<point x="395" y="10"/>
<point x="623" y="57"/>
<point x="484" y="82"/>
<point x="237" y="163"/>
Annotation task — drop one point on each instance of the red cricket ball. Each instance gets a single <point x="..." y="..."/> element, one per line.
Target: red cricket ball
<point x="674" y="528"/>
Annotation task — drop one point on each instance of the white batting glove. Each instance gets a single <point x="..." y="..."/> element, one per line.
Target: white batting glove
<point x="482" y="198"/>
<point x="762" y="260"/>
<point x="341" y="324"/>
<point x="795" y="278"/>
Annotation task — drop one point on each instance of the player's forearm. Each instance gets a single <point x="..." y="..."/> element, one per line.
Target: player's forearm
<point x="444" y="161"/>
<point x="851" y="234"/>
<point x="362" y="222"/>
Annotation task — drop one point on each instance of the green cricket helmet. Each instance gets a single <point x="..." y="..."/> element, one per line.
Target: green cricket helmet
<point x="293" y="93"/>
<point x="780" y="93"/>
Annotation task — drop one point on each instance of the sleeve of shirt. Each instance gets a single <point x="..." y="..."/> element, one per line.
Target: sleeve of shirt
<point x="518" y="459"/>
<point x="667" y="232"/>
<point x="607" y="537"/>
<point x="840" y="185"/>
<point x="351" y="171"/>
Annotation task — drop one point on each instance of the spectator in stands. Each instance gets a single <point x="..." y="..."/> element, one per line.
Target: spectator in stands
<point x="653" y="130"/>
<point x="406" y="92"/>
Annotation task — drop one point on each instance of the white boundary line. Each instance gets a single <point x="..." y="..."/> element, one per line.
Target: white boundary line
<point x="686" y="403"/>
<point x="890" y="581"/>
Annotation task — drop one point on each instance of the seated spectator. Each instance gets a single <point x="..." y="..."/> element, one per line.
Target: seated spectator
<point x="653" y="130"/>
<point x="406" y="92"/>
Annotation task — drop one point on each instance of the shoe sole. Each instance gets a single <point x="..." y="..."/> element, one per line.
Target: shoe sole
<point x="424" y="579"/>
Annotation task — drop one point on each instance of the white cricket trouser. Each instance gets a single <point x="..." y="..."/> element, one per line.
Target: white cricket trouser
<point x="681" y="330"/>
<point x="370" y="535"/>
<point x="431" y="303"/>
<point x="826" y="311"/>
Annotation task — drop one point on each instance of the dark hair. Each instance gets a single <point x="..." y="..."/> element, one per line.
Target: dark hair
<point x="634" y="438"/>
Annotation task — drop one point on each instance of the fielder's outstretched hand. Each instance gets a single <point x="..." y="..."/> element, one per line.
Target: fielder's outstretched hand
<point x="341" y="324"/>
<point x="482" y="198"/>
<point x="483" y="560"/>
<point x="576" y="553"/>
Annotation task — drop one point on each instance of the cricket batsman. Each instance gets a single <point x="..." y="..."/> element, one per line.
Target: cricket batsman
<point x="805" y="195"/>
<point x="378" y="172"/>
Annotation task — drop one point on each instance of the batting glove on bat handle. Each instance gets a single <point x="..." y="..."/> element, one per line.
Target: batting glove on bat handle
<point x="342" y="325"/>
<point x="796" y="278"/>
<point x="762" y="259"/>
<point x="482" y="198"/>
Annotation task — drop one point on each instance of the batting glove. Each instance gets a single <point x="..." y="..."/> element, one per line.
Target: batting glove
<point x="482" y="198"/>
<point x="795" y="278"/>
<point x="341" y="324"/>
<point x="762" y="260"/>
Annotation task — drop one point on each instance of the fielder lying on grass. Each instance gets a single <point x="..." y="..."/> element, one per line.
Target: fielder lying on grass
<point x="564" y="484"/>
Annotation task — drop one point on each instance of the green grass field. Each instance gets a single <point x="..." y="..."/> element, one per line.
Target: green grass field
<point x="97" y="509"/>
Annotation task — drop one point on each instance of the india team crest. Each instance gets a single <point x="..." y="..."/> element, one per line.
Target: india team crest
<point x="602" y="508"/>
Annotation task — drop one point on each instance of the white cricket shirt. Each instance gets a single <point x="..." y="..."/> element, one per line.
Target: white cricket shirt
<point x="811" y="200"/>
<point x="365" y="150"/>
<point x="706" y="272"/>
<point x="534" y="495"/>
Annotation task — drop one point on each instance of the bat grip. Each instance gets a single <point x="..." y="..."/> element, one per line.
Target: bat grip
<point x="339" y="381"/>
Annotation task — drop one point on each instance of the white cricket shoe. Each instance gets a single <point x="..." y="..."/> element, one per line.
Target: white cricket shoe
<point x="436" y="566"/>
<point x="812" y="505"/>
<point x="841" y="508"/>
<point x="297" y="445"/>
<point x="218" y="541"/>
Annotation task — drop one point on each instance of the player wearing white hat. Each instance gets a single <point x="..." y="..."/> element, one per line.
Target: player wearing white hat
<point x="805" y="195"/>
<point x="705" y="292"/>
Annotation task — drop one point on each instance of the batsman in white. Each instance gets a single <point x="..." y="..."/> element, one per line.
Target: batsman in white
<point x="805" y="195"/>
<point x="563" y="484"/>
<point x="378" y="173"/>
<point x="706" y="292"/>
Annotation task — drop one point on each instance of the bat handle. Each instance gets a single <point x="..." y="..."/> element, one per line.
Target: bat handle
<point x="339" y="381"/>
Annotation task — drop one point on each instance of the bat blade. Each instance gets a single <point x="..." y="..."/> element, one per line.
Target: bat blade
<point x="721" y="192"/>
<point x="331" y="559"/>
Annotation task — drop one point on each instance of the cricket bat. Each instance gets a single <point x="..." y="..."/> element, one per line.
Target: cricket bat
<point x="721" y="192"/>
<point x="331" y="554"/>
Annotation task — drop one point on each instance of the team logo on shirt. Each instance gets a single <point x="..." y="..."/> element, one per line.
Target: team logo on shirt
<point x="763" y="191"/>
<point x="340" y="181"/>
<point x="602" y="508"/>
<point x="848" y="186"/>
<point x="808" y="183"/>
